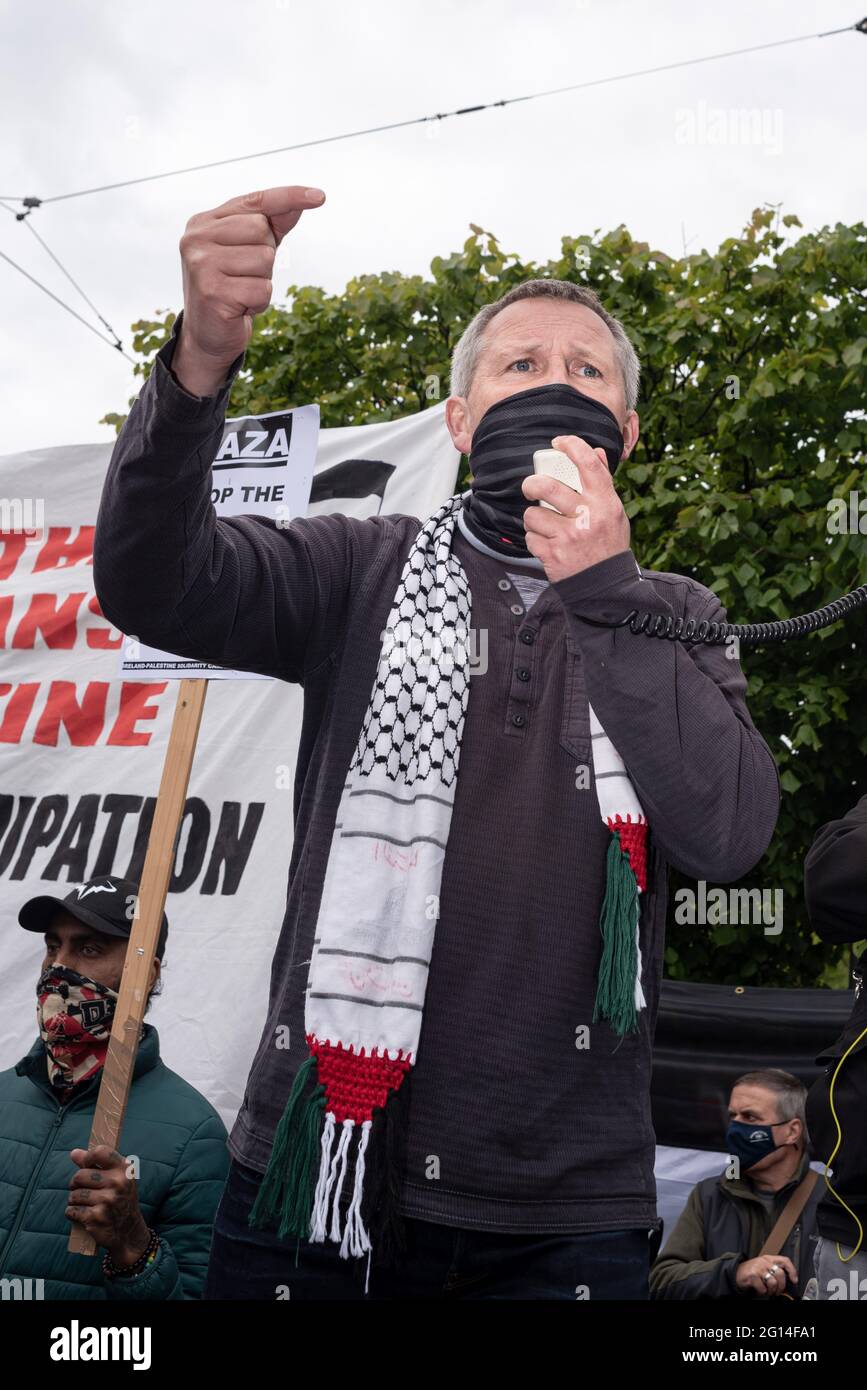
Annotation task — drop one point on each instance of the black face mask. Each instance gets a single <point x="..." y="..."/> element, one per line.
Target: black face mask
<point x="501" y="455"/>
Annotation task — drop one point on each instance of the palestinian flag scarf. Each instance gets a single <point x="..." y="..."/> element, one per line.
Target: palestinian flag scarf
<point x="377" y="918"/>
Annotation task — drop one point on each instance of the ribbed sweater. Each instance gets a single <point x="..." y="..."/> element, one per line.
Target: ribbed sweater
<point x="519" y="1120"/>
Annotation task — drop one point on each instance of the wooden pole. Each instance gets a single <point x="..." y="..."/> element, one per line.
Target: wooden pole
<point x="132" y="998"/>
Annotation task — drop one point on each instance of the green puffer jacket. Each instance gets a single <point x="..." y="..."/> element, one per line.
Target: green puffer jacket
<point x="180" y="1141"/>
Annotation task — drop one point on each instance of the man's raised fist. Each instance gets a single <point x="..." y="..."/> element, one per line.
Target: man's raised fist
<point x="227" y="256"/>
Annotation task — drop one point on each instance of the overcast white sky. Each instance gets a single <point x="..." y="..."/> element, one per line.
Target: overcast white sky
<point x="94" y="91"/>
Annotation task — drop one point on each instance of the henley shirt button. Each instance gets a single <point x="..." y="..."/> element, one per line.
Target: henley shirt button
<point x="516" y="608"/>
<point x="528" y="638"/>
<point x="503" y="584"/>
<point x="523" y="674"/>
<point x="519" y="720"/>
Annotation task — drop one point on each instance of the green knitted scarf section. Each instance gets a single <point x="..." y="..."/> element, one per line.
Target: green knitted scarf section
<point x="615" y="991"/>
<point x="285" y="1196"/>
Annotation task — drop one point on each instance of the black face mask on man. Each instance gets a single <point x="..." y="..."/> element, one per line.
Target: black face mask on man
<point x="502" y="448"/>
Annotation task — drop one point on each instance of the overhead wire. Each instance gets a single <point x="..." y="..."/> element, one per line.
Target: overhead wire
<point x="30" y="202"/>
<point x="116" y="343"/>
<point x="860" y="27"/>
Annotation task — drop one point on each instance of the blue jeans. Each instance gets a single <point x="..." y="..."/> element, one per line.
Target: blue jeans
<point x="441" y="1262"/>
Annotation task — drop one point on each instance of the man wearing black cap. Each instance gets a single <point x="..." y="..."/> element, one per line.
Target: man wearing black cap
<point x="150" y="1209"/>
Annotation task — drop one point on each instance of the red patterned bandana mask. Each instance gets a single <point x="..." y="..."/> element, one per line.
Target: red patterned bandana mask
<point x="75" y="1016"/>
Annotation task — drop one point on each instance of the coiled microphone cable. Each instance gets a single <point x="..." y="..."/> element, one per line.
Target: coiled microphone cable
<point x="749" y="634"/>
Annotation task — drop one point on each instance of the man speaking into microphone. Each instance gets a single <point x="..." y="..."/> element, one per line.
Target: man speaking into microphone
<point x="472" y="946"/>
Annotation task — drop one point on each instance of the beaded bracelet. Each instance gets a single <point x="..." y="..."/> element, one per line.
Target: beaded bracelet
<point x="147" y="1257"/>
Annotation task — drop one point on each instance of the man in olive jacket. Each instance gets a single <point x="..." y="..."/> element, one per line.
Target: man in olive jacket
<point x="713" y="1250"/>
<point x="153" y="1220"/>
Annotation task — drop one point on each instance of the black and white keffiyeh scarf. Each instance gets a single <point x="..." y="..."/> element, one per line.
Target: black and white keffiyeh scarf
<point x="378" y="914"/>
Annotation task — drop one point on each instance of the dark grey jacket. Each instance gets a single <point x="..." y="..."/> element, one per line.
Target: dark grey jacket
<point x="528" y="1131"/>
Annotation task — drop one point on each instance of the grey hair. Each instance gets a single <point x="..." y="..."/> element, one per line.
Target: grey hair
<point x="465" y="356"/>
<point x="791" y="1094"/>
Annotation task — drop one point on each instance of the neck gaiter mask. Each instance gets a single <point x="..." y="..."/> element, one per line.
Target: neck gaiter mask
<point x="75" y="1016"/>
<point x="502" y="449"/>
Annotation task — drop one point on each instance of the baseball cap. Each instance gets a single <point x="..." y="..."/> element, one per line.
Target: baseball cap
<point x="102" y="903"/>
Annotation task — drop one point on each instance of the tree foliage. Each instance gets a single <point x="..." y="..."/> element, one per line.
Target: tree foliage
<point x="752" y="420"/>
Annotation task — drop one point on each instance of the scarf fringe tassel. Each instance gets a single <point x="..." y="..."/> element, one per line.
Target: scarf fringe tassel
<point x="619" y="994"/>
<point x="285" y="1196"/>
<point x="300" y="1193"/>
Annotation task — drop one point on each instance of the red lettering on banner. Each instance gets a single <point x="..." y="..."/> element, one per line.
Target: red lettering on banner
<point x="59" y="552"/>
<point x="57" y="625"/>
<point x="82" y="722"/>
<point x="83" y="715"/>
<point x="17" y="711"/>
<point x="134" y="705"/>
<point x="14" y="544"/>
<point x="5" y="614"/>
<point x="101" y="637"/>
